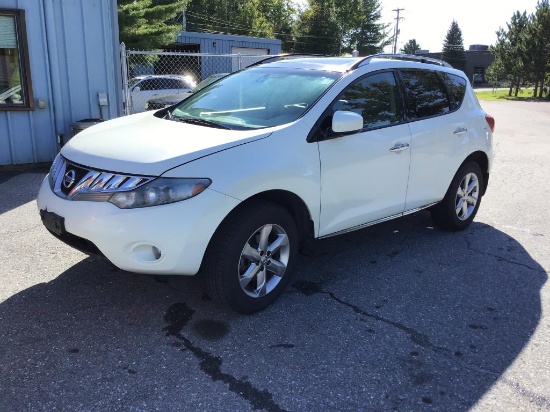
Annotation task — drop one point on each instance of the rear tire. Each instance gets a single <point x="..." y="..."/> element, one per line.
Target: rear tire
<point x="249" y="261"/>
<point x="461" y="202"/>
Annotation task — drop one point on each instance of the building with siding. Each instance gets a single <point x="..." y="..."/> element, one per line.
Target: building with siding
<point x="59" y="63"/>
<point x="217" y="43"/>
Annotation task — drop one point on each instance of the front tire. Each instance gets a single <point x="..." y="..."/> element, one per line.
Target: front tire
<point x="249" y="261"/>
<point x="461" y="202"/>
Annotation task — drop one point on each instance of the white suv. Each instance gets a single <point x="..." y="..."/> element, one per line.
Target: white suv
<point x="234" y="179"/>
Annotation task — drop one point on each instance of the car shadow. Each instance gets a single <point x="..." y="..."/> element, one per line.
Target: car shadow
<point x="18" y="188"/>
<point x="400" y="316"/>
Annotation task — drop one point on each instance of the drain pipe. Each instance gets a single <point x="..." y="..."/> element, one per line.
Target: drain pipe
<point x="124" y="73"/>
<point x="55" y="72"/>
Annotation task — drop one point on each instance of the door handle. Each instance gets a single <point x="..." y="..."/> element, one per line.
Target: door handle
<point x="459" y="131"/>
<point x="399" y="147"/>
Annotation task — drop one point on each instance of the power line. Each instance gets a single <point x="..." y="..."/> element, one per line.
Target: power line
<point x="209" y="21"/>
<point x="217" y="21"/>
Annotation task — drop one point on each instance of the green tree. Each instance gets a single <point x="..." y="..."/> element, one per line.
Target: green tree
<point x="372" y="35"/>
<point x="501" y="68"/>
<point x="232" y="17"/>
<point x="318" y="29"/>
<point x="339" y="26"/>
<point x="536" y="46"/>
<point x="509" y="50"/>
<point x="149" y="24"/>
<point x="281" y="14"/>
<point x="258" y="18"/>
<point x="453" y="47"/>
<point x="495" y="73"/>
<point x="411" y="47"/>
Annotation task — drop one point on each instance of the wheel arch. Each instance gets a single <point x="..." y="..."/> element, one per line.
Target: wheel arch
<point x="483" y="161"/>
<point x="288" y="200"/>
<point x="295" y="206"/>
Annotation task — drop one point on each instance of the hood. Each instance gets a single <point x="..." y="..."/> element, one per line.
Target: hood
<point x="143" y="144"/>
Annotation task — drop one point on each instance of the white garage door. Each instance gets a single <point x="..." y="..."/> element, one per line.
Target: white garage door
<point x="247" y="57"/>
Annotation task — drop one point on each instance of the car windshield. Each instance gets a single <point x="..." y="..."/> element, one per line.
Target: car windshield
<point x="210" y="79"/>
<point x="256" y="98"/>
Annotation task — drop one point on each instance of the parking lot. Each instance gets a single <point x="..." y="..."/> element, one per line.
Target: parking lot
<point x="399" y="316"/>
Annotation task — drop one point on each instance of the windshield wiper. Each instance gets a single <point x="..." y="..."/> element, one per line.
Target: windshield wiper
<point x="200" y="122"/>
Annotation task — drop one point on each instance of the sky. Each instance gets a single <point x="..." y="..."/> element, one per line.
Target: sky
<point x="428" y="21"/>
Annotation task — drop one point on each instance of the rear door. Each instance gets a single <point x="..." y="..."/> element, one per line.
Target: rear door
<point x="439" y="136"/>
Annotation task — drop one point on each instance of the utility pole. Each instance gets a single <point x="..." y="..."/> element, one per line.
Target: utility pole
<point x="396" y="29"/>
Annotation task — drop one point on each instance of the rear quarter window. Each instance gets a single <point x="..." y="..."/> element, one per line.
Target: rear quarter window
<point x="457" y="89"/>
<point x="426" y="95"/>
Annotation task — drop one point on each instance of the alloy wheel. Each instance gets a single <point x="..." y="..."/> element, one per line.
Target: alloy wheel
<point x="467" y="196"/>
<point x="264" y="260"/>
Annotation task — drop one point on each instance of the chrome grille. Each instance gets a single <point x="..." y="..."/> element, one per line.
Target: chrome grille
<point x="74" y="182"/>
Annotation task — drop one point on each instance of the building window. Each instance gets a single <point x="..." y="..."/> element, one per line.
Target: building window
<point x="479" y="74"/>
<point x="15" y="84"/>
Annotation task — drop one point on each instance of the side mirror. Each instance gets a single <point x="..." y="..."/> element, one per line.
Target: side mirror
<point x="136" y="89"/>
<point x="346" y="122"/>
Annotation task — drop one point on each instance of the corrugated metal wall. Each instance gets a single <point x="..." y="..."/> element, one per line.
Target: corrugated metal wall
<point x="222" y="43"/>
<point x="74" y="55"/>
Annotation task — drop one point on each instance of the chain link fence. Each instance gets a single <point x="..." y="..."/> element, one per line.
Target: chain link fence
<point x="149" y="75"/>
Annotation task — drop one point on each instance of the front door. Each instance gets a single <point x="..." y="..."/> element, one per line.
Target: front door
<point x="364" y="175"/>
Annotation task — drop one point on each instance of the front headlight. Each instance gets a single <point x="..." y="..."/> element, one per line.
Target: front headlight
<point x="159" y="192"/>
<point x="56" y="167"/>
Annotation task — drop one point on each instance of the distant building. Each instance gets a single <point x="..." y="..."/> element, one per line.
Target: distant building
<point x="478" y="59"/>
<point x="220" y="43"/>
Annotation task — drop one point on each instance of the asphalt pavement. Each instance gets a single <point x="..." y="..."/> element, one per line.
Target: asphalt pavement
<point x="400" y="316"/>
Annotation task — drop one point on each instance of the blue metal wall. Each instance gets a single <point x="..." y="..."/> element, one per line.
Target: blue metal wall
<point x="74" y="55"/>
<point x="222" y="43"/>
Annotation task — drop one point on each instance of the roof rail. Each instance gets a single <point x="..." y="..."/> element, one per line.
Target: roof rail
<point x="286" y="56"/>
<point x="407" y="57"/>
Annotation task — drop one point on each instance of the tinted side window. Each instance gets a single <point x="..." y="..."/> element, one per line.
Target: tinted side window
<point x="457" y="88"/>
<point x="426" y="96"/>
<point x="173" y="84"/>
<point x="158" y="84"/>
<point x="161" y="84"/>
<point x="146" y="85"/>
<point x="374" y="97"/>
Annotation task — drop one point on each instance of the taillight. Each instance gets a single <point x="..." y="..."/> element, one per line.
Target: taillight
<point x="490" y="121"/>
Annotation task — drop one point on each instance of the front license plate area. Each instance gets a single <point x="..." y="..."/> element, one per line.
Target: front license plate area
<point x="53" y="222"/>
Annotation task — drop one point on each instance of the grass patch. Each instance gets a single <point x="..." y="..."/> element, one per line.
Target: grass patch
<point x="502" y="94"/>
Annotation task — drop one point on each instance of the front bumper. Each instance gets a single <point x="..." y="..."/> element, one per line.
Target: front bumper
<point x="131" y="238"/>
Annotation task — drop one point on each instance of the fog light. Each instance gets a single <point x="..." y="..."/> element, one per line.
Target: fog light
<point x="146" y="253"/>
<point x="156" y="253"/>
